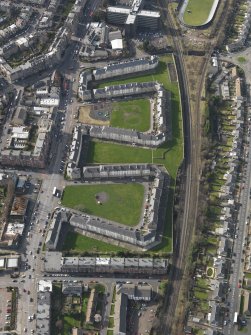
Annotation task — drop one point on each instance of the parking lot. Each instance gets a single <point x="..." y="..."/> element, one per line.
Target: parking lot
<point x="141" y="317"/>
<point x="5" y="308"/>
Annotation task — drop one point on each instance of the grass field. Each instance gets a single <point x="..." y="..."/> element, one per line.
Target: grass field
<point x="131" y="114"/>
<point x="122" y="202"/>
<point x="197" y="12"/>
<point x="71" y="321"/>
<point x="80" y="243"/>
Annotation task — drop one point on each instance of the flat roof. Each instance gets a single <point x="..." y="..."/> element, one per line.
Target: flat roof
<point x="53" y="261"/>
<point x="117" y="43"/>
<point x="2" y="262"/>
<point x="12" y="262"/>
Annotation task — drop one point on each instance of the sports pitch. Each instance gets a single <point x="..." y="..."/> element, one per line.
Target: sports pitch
<point x="197" y="12"/>
<point x="131" y="114"/>
<point x="121" y="203"/>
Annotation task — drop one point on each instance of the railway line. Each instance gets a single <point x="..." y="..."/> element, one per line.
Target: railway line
<point x="185" y="225"/>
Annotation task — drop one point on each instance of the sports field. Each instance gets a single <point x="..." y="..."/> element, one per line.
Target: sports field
<point x="131" y="114"/>
<point x="197" y="12"/>
<point x="117" y="202"/>
<point x="80" y="243"/>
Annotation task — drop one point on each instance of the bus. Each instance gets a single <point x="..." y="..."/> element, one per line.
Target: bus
<point x="235" y="318"/>
<point x="54" y="192"/>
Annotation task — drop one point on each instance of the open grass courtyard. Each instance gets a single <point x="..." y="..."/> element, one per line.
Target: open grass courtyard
<point x="80" y="243"/>
<point x="131" y="114"/>
<point x="116" y="202"/>
<point x="197" y="12"/>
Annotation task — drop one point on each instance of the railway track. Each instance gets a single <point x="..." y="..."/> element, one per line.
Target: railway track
<point x="183" y="231"/>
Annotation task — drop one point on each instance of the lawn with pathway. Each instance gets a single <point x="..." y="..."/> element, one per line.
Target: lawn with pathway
<point x="121" y="203"/>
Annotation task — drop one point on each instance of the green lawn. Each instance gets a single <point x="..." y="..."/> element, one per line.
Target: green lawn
<point x="71" y="321"/>
<point x="197" y="12"/>
<point x="104" y="152"/>
<point x="123" y="202"/>
<point x="111" y="322"/>
<point x="202" y="283"/>
<point x="80" y="243"/>
<point x="201" y="295"/>
<point x="85" y="299"/>
<point x="112" y="309"/>
<point x="242" y="302"/>
<point x="131" y="114"/>
<point x="56" y="309"/>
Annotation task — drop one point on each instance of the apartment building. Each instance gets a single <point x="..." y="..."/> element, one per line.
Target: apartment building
<point x="57" y="263"/>
<point x="133" y="17"/>
<point x="127" y="67"/>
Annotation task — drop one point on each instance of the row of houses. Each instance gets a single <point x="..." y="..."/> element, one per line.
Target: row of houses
<point x="73" y="171"/>
<point x="46" y="20"/>
<point x="15" y="225"/>
<point x="44" y="303"/>
<point x="116" y="91"/>
<point x="55" y="227"/>
<point x="20" y="23"/>
<point x="52" y="56"/>
<point x="21" y="44"/>
<point x="131" y="66"/>
<point x="57" y="263"/>
<point x="150" y="140"/>
<point x="243" y="31"/>
<point x="39" y="63"/>
<point x="226" y="226"/>
<point x="113" y="70"/>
